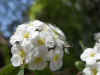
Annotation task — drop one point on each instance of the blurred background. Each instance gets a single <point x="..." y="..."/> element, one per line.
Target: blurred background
<point x="79" y="20"/>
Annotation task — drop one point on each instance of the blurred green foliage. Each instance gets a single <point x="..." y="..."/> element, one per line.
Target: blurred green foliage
<point x="9" y="70"/>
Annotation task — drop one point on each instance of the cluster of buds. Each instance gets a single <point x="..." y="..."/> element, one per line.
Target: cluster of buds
<point x="37" y="43"/>
<point x="92" y="58"/>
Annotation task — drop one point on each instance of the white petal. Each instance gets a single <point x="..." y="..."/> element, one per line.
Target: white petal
<point x="29" y="57"/>
<point x="55" y="66"/>
<point x="21" y="27"/>
<point x="97" y="57"/>
<point x="50" y="42"/>
<point x="59" y="32"/>
<point x="37" y="23"/>
<point x="90" y="61"/>
<point x="15" y="49"/>
<point x="86" y="54"/>
<point x="40" y="66"/>
<point x="98" y="73"/>
<point x="34" y="35"/>
<point x="16" y="60"/>
<point x="15" y="38"/>
<point x="87" y="71"/>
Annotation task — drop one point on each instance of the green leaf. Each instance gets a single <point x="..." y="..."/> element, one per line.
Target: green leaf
<point x="21" y="72"/>
<point x="9" y="70"/>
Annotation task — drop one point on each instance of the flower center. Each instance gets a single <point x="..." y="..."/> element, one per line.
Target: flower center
<point x="26" y="35"/>
<point x="94" y="71"/>
<point x="55" y="32"/>
<point x="22" y="54"/>
<point x="56" y="57"/>
<point x="38" y="60"/>
<point x="30" y="24"/>
<point x="92" y="54"/>
<point x="41" y="41"/>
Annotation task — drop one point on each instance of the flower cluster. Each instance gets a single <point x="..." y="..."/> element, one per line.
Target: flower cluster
<point x="92" y="58"/>
<point x="37" y="43"/>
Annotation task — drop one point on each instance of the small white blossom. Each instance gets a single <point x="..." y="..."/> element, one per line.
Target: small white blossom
<point x="17" y="60"/>
<point x="56" y="57"/>
<point x="92" y="70"/>
<point x="23" y="52"/>
<point x="20" y="35"/>
<point x="57" y="32"/>
<point x="90" y="56"/>
<point x="39" y="61"/>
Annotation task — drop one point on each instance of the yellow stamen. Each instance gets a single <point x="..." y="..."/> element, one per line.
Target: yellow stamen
<point x="55" y="32"/>
<point x="94" y="71"/>
<point x="22" y="53"/>
<point x="56" y="58"/>
<point x="38" y="60"/>
<point x="30" y="24"/>
<point x="26" y="35"/>
<point x="92" y="54"/>
<point x="41" y="41"/>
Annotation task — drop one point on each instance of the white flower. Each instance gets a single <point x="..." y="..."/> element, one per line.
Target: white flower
<point x="39" y="61"/>
<point x="38" y="25"/>
<point x="24" y="53"/>
<point x="92" y="70"/>
<point x="49" y="39"/>
<point x="90" y="56"/>
<point x="57" y="32"/>
<point x="23" y="33"/>
<point x="16" y="60"/>
<point x="39" y="41"/>
<point x="60" y="43"/>
<point x="44" y="38"/>
<point x="56" y="59"/>
<point x="14" y="38"/>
